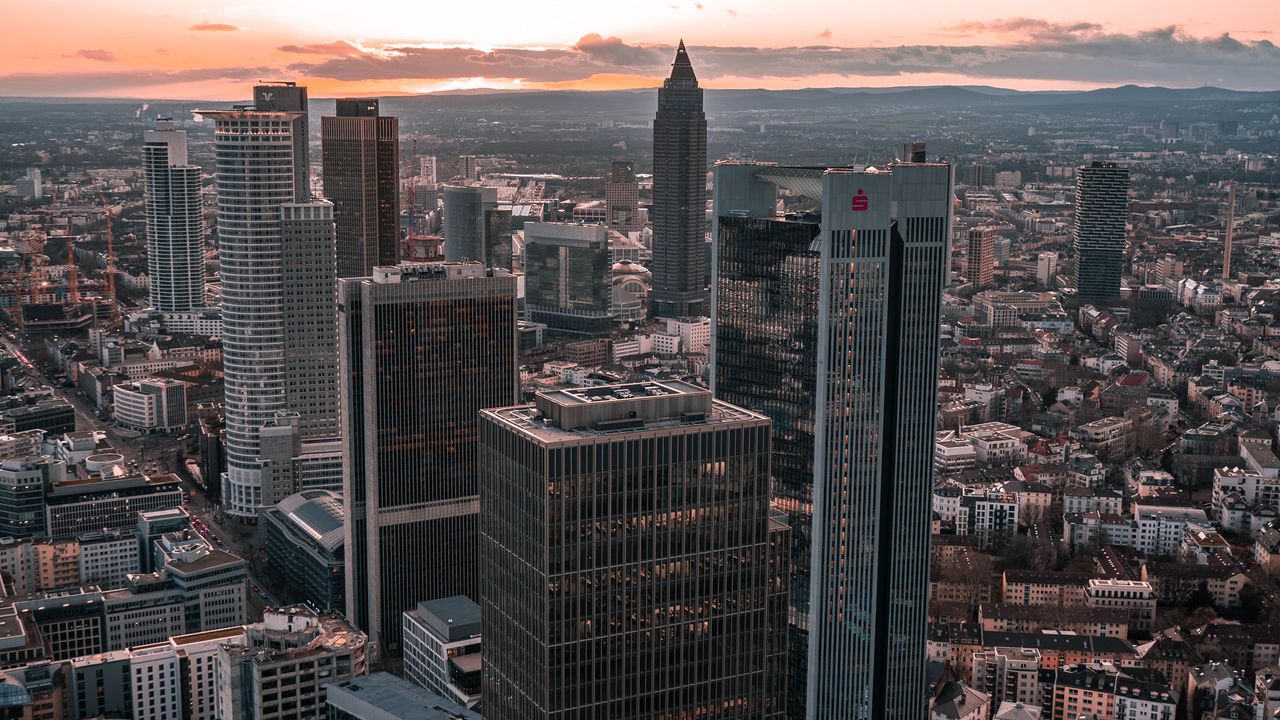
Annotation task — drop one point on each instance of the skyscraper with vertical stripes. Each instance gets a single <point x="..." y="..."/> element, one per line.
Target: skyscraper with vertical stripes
<point x="423" y="348"/>
<point x="679" y="194"/>
<point x="828" y="322"/>
<point x="361" y="153"/>
<point x="1098" y="230"/>
<point x="175" y="228"/>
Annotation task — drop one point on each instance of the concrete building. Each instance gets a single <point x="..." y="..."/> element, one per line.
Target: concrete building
<point x="175" y="228"/>
<point x="852" y="402"/>
<point x="442" y="648"/>
<point x="553" y="643"/>
<point x="282" y="670"/>
<point x="981" y="258"/>
<point x="381" y="696"/>
<point x="106" y="503"/>
<point x="414" y="336"/>
<point x="31" y="185"/>
<point x="153" y="404"/>
<point x="622" y="198"/>
<point x="1133" y="596"/>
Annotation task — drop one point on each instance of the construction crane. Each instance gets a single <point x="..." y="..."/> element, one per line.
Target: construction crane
<point x="111" y="258"/>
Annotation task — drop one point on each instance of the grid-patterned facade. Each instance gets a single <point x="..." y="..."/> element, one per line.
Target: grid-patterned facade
<point x="1098" y="230"/>
<point x="631" y="568"/>
<point x="622" y="198"/>
<point x="981" y="257"/>
<point x="310" y="319"/>
<point x="473" y="227"/>
<point x="261" y="159"/>
<point x="175" y="229"/>
<point x="361" y="151"/>
<point x="424" y="347"/>
<point x="679" y="195"/>
<point x="830" y="327"/>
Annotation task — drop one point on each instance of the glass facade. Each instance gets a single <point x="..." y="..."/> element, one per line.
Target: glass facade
<point x="631" y="573"/>
<point x="1098" y="230"/>
<point x="568" y="277"/>
<point x="361" y="169"/>
<point x="443" y="347"/>
<point x="849" y="377"/>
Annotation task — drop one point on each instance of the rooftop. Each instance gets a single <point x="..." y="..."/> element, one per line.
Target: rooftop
<point x="385" y="695"/>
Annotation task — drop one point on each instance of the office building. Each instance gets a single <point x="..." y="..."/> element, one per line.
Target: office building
<point x="679" y="195"/>
<point x="304" y="546"/>
<point x="361" y="154"/>
<point x="264" y="213"/>
<point x="382" y="696"/>
<point x="474" y="228"/>
<point x="829" y="325"/>
<point x="425" y="346"/>
<point x="981" y="258"/>
<point x="442" y="648"/>
<point x="1098" y="230"/>
<point x="55" y="416"/>
<point x="468" y="168"/>
<point x="30" y="186"/>
<point x="287" y="660"/>
<point x="1047" y="268"/>
<point x="631" y="566"/>
<point x="104" y="502"/>
<point x="22" y="481"/>
<point x="175" y="228"/>
<point x="427" y="170"/>
<point x="622" y="198"/>
<point x="150" y="404"/>
<point x="568" y="277"/>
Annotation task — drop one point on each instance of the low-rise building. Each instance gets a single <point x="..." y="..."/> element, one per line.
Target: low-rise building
<point x="442" y="648"/>
<point x="305" y="547"/>
<point x="1133" y="596"/>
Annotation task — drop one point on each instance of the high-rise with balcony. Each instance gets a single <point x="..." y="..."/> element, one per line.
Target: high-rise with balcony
<point x="361" y="154"/>
<point x="175" y="230"/>
<point x="981" y="257"/>
<point x="631" y="567"/>
<point x="1098" y="231"/>
<point x="276" y="250"/>
<point x="679" y="195"/>
<point x="424" y="347"/>
<point x="828" y="324"/>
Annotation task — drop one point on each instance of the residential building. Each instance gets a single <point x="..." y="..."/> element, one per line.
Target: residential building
<point x="981" y="258"/>
<point x="857" y="292"/>
<point x="553" y="644"/>
<point x="175" y="228"/>
<point x="1134" y="596"/>
<point x="413" y="336"/>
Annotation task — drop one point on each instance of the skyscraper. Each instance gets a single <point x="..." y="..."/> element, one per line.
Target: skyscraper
<point x="568" y="277"/>
<point x="310" y="317"/>
<point x="264" y="206"/>
<point x="828" y="324"/>
<point x="1098" y="231"/>
<point x="622" y="198"/>
<point x="175" y="229"/>
<point x="474" y="227"/>
<point x="679" y="195"/>
<point x="424" y="347"/>
<point x="361" y="154"/>
<point x="631" y="568"/>
<point x="981" y="258"/>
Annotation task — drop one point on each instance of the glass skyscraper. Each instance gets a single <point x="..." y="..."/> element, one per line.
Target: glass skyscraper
<point x="1098" y="231"/>
<point x="361" y="153"/>
<point x="631" y="565"/>
<point x="827" y="322"/>
<point x="568" y="277"/>
<point x="423" y="347"/>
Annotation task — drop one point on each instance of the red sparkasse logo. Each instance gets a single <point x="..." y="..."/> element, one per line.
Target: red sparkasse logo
<point x="860" y="202"/>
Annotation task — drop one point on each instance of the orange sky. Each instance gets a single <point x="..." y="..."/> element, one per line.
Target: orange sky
<point x="149" y="48"/>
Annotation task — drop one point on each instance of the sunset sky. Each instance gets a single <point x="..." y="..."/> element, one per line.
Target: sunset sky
<point x="207" y="50"/>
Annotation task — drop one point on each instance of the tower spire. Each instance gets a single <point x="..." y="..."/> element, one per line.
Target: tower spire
<point x="682" y="67"/>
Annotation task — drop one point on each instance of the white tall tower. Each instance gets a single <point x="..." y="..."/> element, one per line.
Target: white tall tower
<point x="264" y="215"/>
<point x="175" y="232"/>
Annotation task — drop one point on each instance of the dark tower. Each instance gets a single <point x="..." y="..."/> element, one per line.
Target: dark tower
<point x="679" y="194"/>
<point x="361" y="177"/>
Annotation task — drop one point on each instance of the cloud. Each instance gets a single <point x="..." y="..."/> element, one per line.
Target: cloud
<point x="99" y="55"/>
<point x="698" y="5"/>
<point x="1047" y="51"/>
<point x="1023" y="27"/>
<point x="70" y="84"/>
<point x="824" y="35"/>
<point x="337" y="48"/>
<point x="213" y="27"/>
<point x="732" y="12"/>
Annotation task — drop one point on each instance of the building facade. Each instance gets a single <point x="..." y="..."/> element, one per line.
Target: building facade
<point x="829" y="326"/>
<point x="416" y="336"/>
<point x="679" y="195"/>
<point x="622" y="198"/>
<point x="175" y="229"/>
<point x="568" y="277"/>
<point x="981" y="258"/>
<point x="442" y="648"/>
<point x="361" y="153"/>
<point x="1098" y="231"/>
<point x="631" y="566"/>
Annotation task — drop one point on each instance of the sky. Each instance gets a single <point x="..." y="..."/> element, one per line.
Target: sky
<point x="196" y="49"/>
